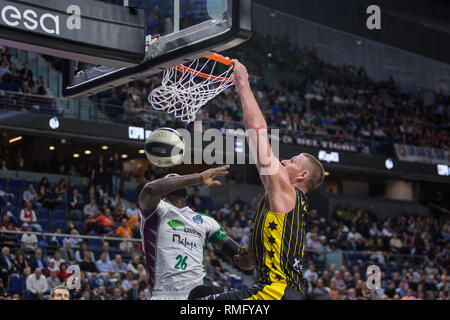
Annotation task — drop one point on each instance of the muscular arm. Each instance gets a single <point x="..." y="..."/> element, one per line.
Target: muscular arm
<point x="241" y="256"/>
<point x="154" y="191"/>
<point x="279" y="192"/>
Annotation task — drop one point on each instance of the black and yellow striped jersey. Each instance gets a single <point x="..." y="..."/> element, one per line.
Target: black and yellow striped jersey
<point x="277" y="242"/>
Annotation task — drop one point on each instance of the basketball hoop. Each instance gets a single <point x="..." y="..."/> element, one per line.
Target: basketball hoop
<point x="187" y="87"/>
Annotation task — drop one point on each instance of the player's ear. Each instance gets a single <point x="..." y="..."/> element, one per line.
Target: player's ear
<point x="303" y="174"/>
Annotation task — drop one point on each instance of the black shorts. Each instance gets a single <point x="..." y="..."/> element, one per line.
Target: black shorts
<point x="274" y="291"/>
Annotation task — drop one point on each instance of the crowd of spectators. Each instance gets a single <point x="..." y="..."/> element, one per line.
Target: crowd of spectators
<point x="20" y="80"/>
<point x="32" y="264"/>
<point x="412" y="251"/>
<point x="306" y="97"/>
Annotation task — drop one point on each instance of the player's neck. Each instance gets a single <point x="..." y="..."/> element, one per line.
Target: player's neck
<point x="302" y="188"/>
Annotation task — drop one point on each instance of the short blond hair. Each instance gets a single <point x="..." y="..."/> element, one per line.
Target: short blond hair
<point x="63" y="287"/>
<point x="316" y="171"/>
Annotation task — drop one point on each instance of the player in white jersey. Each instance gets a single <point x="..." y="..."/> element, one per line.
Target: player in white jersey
<point x="174" y="236"/>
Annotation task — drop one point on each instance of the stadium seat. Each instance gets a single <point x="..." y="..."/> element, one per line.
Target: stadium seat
<point x="61" y="206"/>
<point x="44" y="213"/>
<point x="3" y="183"/>
<point x="58" y="224"/>
<point x="95" y="244"/>
<point x="45" y="224"/>
<point x="78" y="225"/>
<point x="16" y="200"/>
<point x="59" y="215"/>
<point x="15" y="185"/>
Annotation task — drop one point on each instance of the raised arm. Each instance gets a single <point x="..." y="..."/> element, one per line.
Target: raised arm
<point x="279" y="192"/>
<point x="154" y="191"/>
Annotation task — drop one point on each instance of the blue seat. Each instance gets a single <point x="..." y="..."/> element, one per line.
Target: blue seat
<point x="94" y="244"/>
<point x="15" y="185"/>
<point x="60" y="225"/>
<point x="61" y="206"/>
<point x="16" y="200"/>
<point x="45" y="224"/>
<point x="59" y="215"/>
<point x="3" y="183"/>
<point x="44" y="213"/>
<point x="78" y="225"/>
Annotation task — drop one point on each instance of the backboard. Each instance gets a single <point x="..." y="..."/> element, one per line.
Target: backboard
<point x="177" y="31"/>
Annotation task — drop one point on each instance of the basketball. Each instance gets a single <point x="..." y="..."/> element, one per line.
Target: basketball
<point x="164" y="147"/>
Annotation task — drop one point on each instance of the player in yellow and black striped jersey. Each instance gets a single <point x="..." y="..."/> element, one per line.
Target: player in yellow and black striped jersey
<point x="278" y="236"/>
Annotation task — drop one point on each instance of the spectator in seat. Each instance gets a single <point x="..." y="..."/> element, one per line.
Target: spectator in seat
<point x="57" y="240"/>
<point x="67" y="253"/>
<point x="338" y="282"/>
<point x="28" y="218"/>
<point x="101" y="294"/>
<point x="237" y="231"/>
<point x="4" y="292"/>
<point x="119" y="266"/>
<point x="79" y="255"/>
<point x="76" y="205"/>
<point x="106" y="221"/>
<point x="106" y="268"/>
<point x="90" y="225"/>
<point x="311" y="270"/>
<point x="30" y="195"/>
<point x="90" y="208"/>
<point x="106" y="201"/>
<point x="132" y="210"/>
<point x="50" y="267"/>
<point x="134" y="263"/>
<point x="319" y="292"/>
<point x="20" y="261"/>
<point x="26" y="74"/>
<point x="58" y="258"/>
<point x="115" y="167"/>
<point x="47" y="198"/>
<point x="127" y="282"/>
<point x="194" y="200"/>
<point x="75" y="239"/>
<point x="3" y="162"/>
<point x="36" y="285"/>
<point x="124" y="231"/>
<point x="105" y="249"/>
<point x="6" y="264"/>
<point x="53" y="280"/>
<point x="63" y="274"/>
<point x="133" y="293"/>
<point x="117" y="294"/>
<point x="37" y="261"/>
<point x="119" y="214"/>
<point x="88" y="266"/>
<point x="29" y="241"/>
<point x="5" y="196"/>
<point x="61" y="189"/>
<point x="6" y="222"/>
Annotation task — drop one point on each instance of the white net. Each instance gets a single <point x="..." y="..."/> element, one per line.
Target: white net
<point x="186" y="88"/>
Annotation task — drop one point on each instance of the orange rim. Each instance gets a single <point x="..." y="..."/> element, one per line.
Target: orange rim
<point x="216" y="57"/>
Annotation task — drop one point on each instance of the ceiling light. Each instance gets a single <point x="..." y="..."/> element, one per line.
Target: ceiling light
<point x="15" y="139"/>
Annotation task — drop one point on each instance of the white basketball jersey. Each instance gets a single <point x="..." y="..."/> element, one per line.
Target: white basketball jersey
<point x="173" y="241"/>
